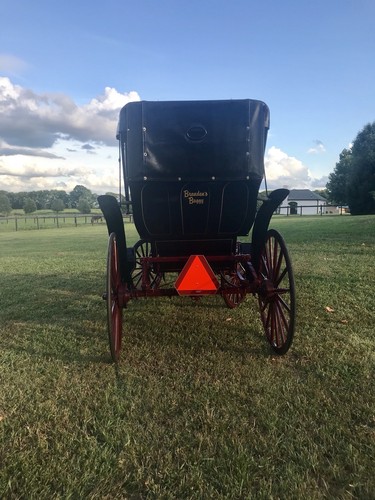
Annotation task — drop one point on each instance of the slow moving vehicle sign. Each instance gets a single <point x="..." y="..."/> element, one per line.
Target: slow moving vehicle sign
<point x="197" y="277"/>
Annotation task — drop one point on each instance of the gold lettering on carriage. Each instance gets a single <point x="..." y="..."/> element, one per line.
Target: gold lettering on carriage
<point x="195" y="197"/>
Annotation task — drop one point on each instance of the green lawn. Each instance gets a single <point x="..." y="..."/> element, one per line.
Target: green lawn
<point x="198" y="406"/>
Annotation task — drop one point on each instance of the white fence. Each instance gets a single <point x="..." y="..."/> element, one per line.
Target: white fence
<point x="312" y="210"/>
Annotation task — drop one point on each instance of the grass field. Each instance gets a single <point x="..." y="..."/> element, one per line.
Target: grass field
<point x="198" y="406"/>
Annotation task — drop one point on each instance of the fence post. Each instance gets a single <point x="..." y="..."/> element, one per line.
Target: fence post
<point x="15" y="220"/>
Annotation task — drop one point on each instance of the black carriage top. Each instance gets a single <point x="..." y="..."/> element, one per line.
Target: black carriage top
<point x="193" y="140"/>
<point x="192" y="169"/>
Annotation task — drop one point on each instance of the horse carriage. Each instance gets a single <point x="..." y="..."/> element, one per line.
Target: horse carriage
<point x="192" y="172"/>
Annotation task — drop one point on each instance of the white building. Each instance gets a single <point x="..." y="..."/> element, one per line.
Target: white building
<point x="302" y="202"/>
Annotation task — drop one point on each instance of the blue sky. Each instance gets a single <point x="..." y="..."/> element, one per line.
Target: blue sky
<point x="66" y="68"/>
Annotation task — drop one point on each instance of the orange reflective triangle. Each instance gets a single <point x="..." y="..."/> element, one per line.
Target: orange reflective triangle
<point x="196" y="277"/>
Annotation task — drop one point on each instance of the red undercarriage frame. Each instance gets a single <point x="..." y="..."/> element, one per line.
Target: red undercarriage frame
<point x="150" y="288"/>
<point x="272" y="283"/>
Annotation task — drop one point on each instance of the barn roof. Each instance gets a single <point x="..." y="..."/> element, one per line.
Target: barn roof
<point x="304" y="195"/>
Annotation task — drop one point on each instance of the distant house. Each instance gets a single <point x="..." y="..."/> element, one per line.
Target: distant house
<point x="302" y="201"/>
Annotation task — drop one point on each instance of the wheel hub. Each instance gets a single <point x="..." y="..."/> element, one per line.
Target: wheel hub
<point x="267" y="290"/>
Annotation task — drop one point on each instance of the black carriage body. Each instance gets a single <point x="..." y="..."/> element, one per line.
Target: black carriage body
<point x="193" y="171"/>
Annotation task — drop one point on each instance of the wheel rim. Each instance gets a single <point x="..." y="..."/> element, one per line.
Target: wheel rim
<point x="143" y="249"/>
<point x="277" y="293"/>
<point x="114" y="310"/>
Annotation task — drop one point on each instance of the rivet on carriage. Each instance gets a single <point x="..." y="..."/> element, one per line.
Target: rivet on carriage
<point x="192" y="172"/>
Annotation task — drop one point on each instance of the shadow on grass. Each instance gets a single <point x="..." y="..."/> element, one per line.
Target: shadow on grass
<point x="64" y="317"/>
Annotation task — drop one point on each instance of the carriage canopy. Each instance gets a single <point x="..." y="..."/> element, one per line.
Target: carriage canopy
<point x="193" y="140"/>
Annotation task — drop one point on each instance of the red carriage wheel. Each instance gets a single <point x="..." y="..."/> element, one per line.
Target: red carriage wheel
<point x="277" y="293"/>
<point x="143" y="249"/>
<point x="233" y="280"/>
<point x="114" y="309"/>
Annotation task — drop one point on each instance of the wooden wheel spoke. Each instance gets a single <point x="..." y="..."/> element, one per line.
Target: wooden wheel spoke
<point x="273" y="324"/>
<point x="269" y="317"/>
<point x="233" y="279"/>
<point x="280" y="277"/>
<point x="137" y="275"/>
<point x="284" y="304"/>
<point x="144" y="275"/>
<point x="282" y="291"/>
<point x="276" y="336"/>
<point x="275" y="258"/>
<point x="277" y="268"/>
<point x="282" y="316"/>
<point x="263" y="306"/>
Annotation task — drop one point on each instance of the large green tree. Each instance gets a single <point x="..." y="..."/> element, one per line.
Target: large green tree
<point x="337" y="186"/>
<point x="78" y="193"/>
<point x="17" y="199"/>
<point x="83" y="205"/>
<point x="5" y="206"/>
<point x="353" y="180"/>
<point x="29" y="205"/>
<point x="361" y="180"/>
<point x="57" y="205"/>
<point x="55" y="194"/>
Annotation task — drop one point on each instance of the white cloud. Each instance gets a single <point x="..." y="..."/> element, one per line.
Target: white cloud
<point x="11" y="65"/>
<point x="31" y="170"/>
<point x="35" y="120"/>
<point x="25" y="174"/>
<point x="47" y="141"/>
<point x="111" y="100"/>
<point x="318" y="148"/>
<point x="319" y="183"/>
<point x="283" y="170"/>
<point x="7" y="150"/>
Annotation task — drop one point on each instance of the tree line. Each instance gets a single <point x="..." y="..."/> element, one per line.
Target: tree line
<point x="352" y="182"/>
<point x="80" y="198"/>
